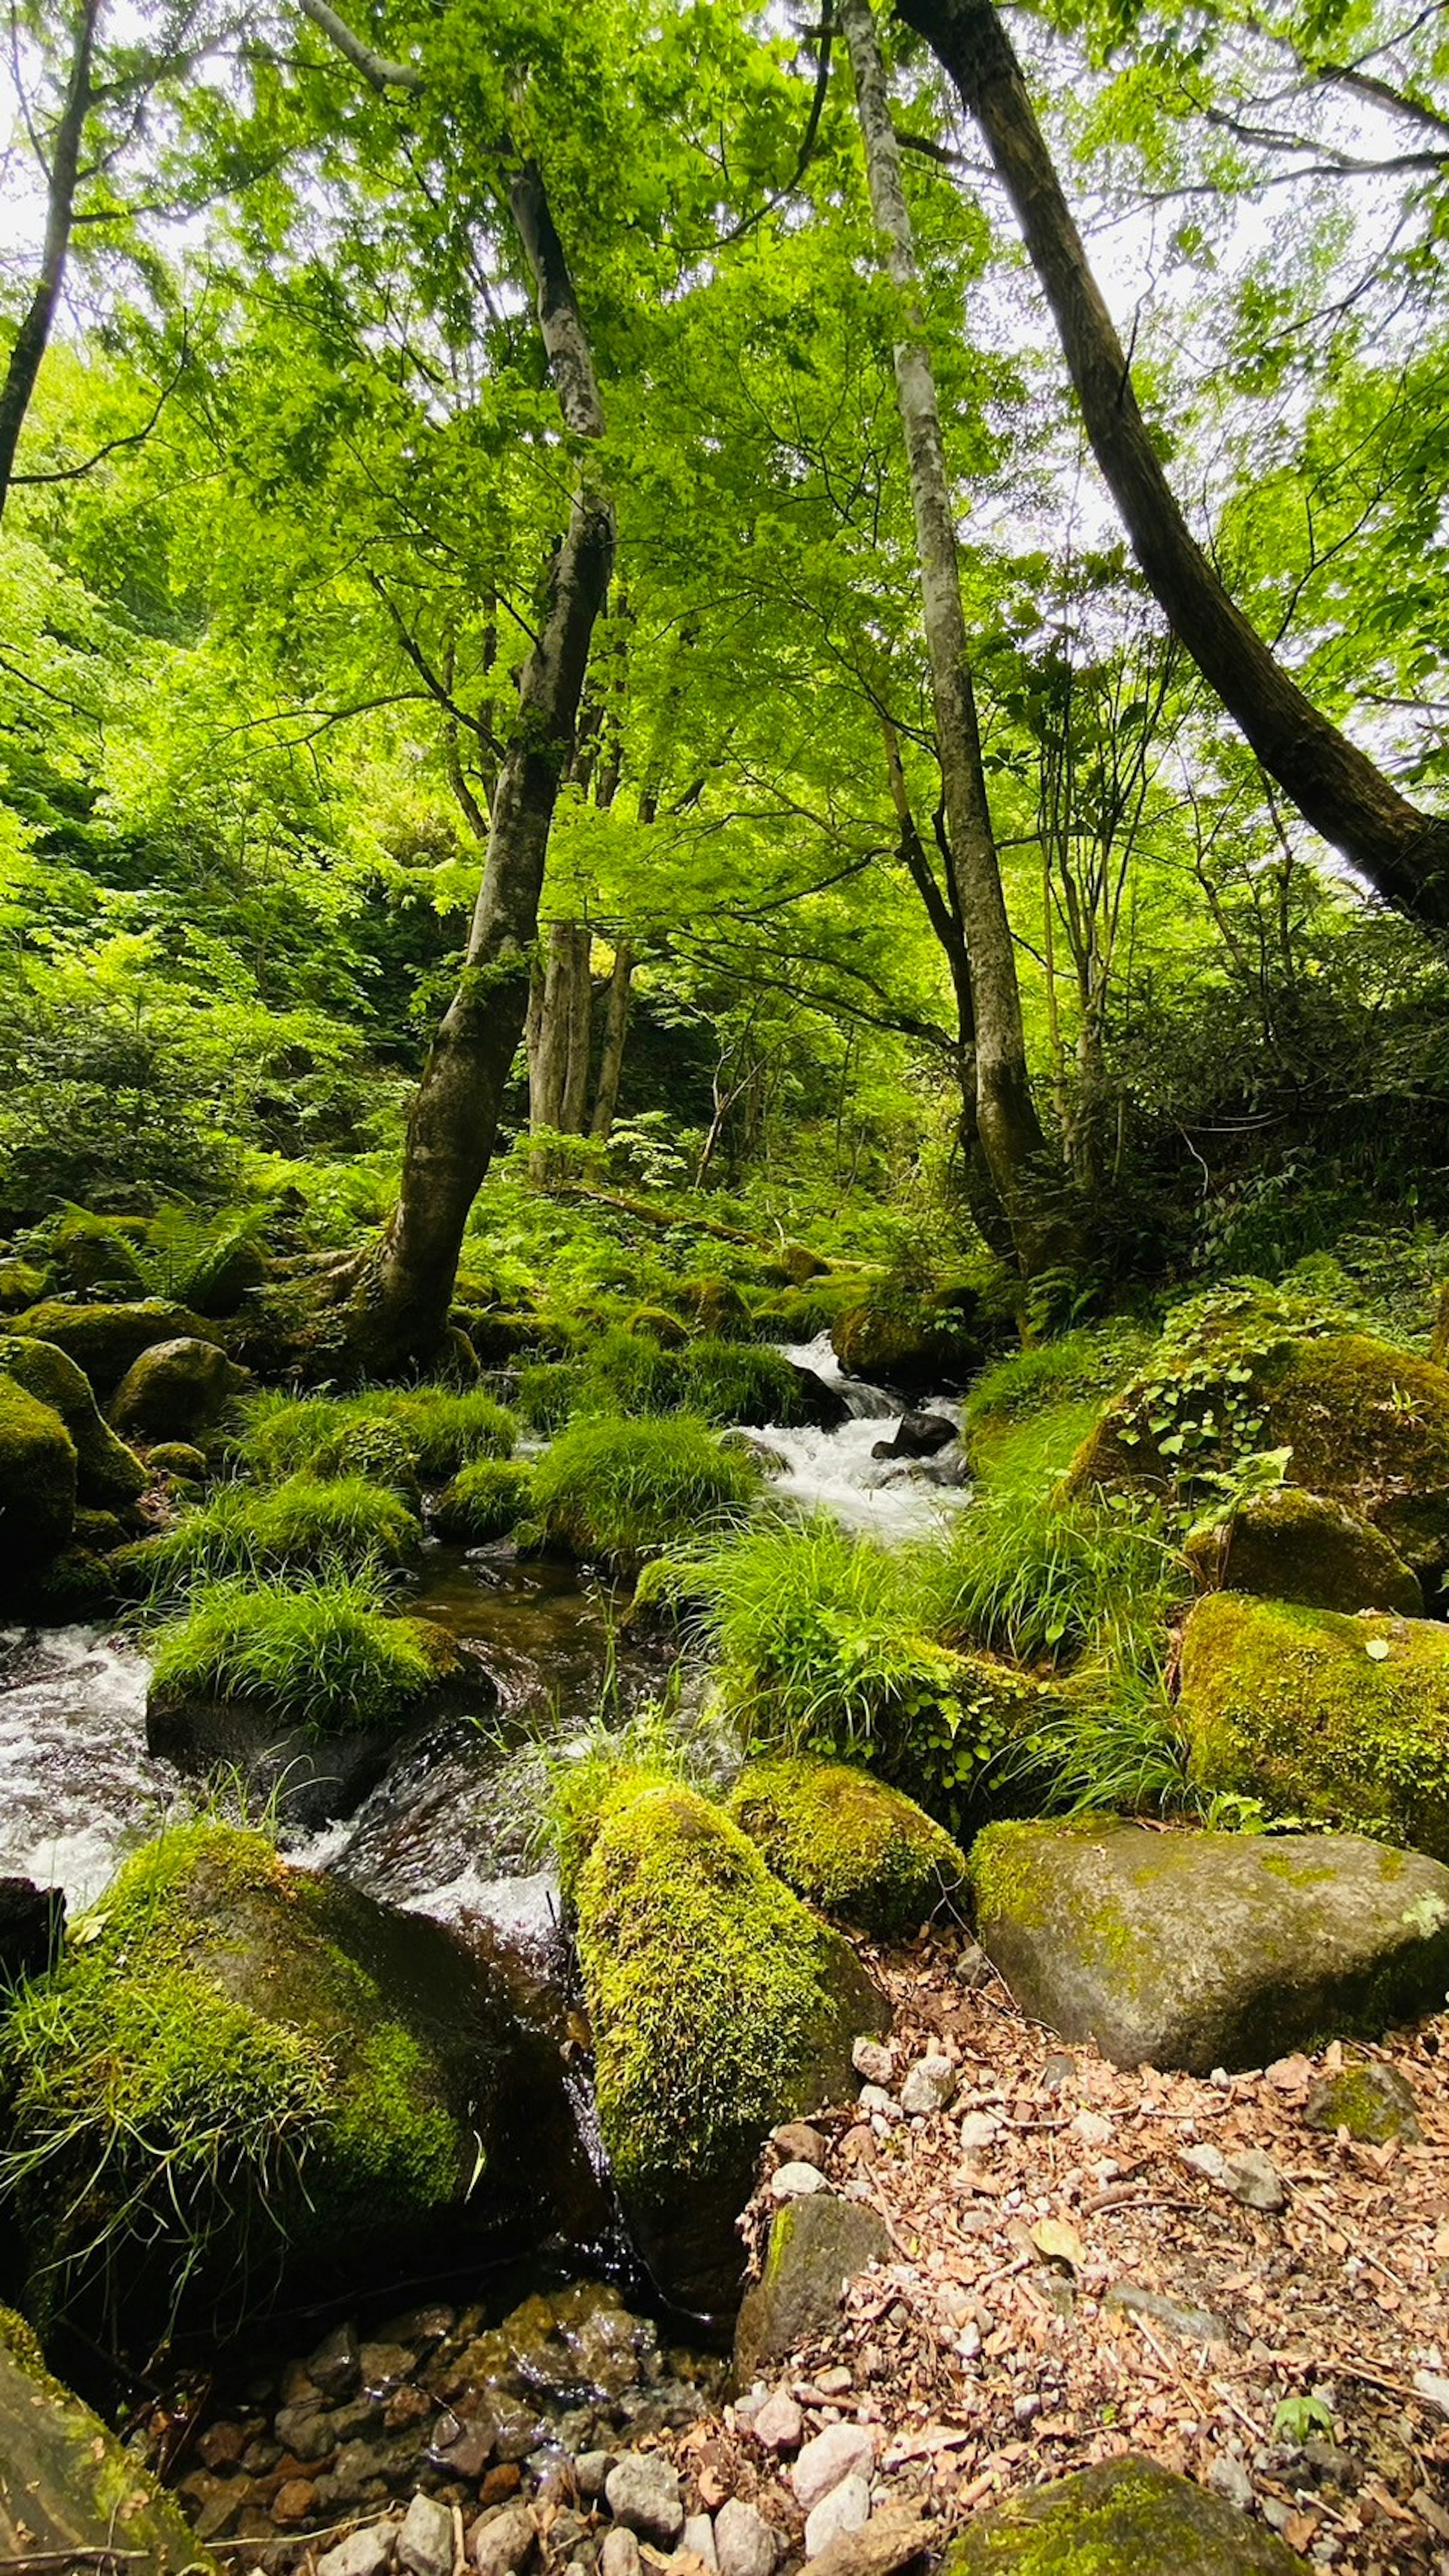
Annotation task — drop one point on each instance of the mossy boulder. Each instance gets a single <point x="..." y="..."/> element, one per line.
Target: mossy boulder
<point x="717" y="1306"/>
<point x="108" y="1475"/>
<point x="176" y="1390"/>
<point x="38" y="1471"/>
<point x="179" y="1459"/>
<point x="484" y="1501"/>
<point x="105" y="1340"/>
<point x="242" y="2073"/>
<point x="225" y="1274"/>
<point x="656" y="1324"/>
<point x="1295" y="1546"/>
<point x="22" y="1284"/>
<point x="67" y="2485"/>
<point x="1130" y="2517"/>
<point x="1342" y="1720"/>
<point x="864" y="1854"/>
<point x="94" y="1253"/>
<point x="917" y="1340"/>
<point x="1244" y="1371"/>
<point x="1194" y="1950"/>
<point x="720" y="2006"/>
<point x="1372" y="2101"/>
<point x="817" y="2244"/>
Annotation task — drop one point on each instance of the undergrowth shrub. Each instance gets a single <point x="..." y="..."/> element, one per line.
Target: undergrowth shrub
<point x="622" y="1490"/>
<point x="324" y="1654"/>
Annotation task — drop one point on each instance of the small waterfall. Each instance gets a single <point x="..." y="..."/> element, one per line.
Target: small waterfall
<point x="889" y="1499"/>
<point x="77" y="1785"/>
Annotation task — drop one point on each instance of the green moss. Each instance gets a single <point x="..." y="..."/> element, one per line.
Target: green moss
<point x="37" y="1476"/>
<point x="69" y="2493"/>
<point x="715" y="1997"/>
<point x="177" y="1458"/>
<point x="323" y="1656"/>
<point x="716" y="1305"/>
<point x="1371" y="2101"/>
<point x="106" y="1340"/>
<point x="739" y="1382"/>
<point x="1089" y="1362"/>
<point x="1296" y="1546"/>
<point x="911" y="1337"/>
<point x="1004" y="1874"/>
<point x="622" y="1490"/>
<point x="1128" y="2518"/>
<point x="1342" y="1720"/>
<point x="108" y="1473"/>
<point x="485" y="1501"/>
<point x="214" y="2068"/>
<point x="863" y="1853"/>
<point x="22" y="1284"/>
<point x="656" y="1324"/>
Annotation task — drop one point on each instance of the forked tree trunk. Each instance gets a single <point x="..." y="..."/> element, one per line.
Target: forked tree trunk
<point x="29" y="345"/>
<point x="1006" y="1118"/>
<point x="1402" y="853"/>
<point x="616" y="1031"/>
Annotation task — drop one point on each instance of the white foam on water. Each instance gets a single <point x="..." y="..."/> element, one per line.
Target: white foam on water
<point x="77" y="1786"/>
<point x="893" y="1500"/>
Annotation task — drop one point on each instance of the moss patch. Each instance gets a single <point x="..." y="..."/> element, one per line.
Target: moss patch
<point x="1309" y="1548"/>
<point x="216" y="2071"/>
<point x="1342" y="1720"/>
<point x="1128" y="2518"/>
<point x="105" y="1340"/>
<point x="37" y="1477"/>
<point x="108" y="1473"/>
<point x="863" y="1853"/>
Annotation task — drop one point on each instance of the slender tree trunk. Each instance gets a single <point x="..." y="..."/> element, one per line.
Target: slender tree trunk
<point x="31" y="340"/>
<point x="580" y="1032"/>
<point x="548" y="1057"/>
<point x="1402" y="853"/>
<point x="1006" y="1118"/>
<point x="616" y="1031"/>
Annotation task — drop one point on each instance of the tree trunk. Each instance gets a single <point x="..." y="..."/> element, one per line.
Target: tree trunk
<point x="1006" y="1116"/>
<point x="31" y="340"/>
<point x="616" y="1031"/>
<point x="1402" y="853"/>
<point x="580" y="1032"/>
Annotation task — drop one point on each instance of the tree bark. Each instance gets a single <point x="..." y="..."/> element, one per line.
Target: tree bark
<point x="616" y="1031"/>
<point x="580" y="1032"/>
<point x="1401" y="852"/>
<point x="31" y="340"/>
<point x="1006" y="1118"/>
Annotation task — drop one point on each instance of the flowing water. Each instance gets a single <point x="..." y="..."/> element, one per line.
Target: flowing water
<point x="452" y="1830"/>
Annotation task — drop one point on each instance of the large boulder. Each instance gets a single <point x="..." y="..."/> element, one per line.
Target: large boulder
<point x="1250" y="1370"/>
<point x="1318" y="1715"/>
<point x="104" y="1340"/>
<point x="32" y="1920"/>
<point x="916" y="1340"/>
<point x="1294" y="1546"/>
<point x="1194" y="1950"/>
<point x="818" y="2243"/>
<point x="720" y="2007"/>
<point x="1130" y="2517"/>
<point x="66" y="2484"/>
<point x="176" y="1390"/>
<point x="108" y="1475"/>
<point x="37" y="1481"/>
<point x="241" y="2072"/>
<point x="865" y="1854"/>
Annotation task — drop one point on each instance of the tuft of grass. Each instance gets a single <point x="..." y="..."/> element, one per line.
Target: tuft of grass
<point x="623" y="1490"/>
<point x="345" y="1523"/>
<point x="582" y="1773"/>
<point x="1029" y="1578"/>
<point x="1094" y="1360"/>
<point x="324" y="1654"/>
<point x="441" y="1429"/>
<point x="738" y="1382"/>
<point x="485" y="1501"/>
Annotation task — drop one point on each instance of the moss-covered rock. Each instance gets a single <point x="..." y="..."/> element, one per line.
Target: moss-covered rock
<point x="176" y="1390"/>
<point x="1130" y="2517"/>
<point x="67" y="2485"/>
<point x="1372" y="2101"/>
<point x="105" y="1340"/>
<point x="1248" y="1371"/>
<point x="225" y="1273"/>
<point x="37" y="1479"/>
<point x="241" y="2072"/>
<point x="484" y="1501"/>
<point x="178" y="1458"/>
<point x="1295" y="1546"/>
<point x="108" y="1475"/>
<point x="1342" y="1720"/>
<point x="1197" y="1950"/>
<point x="716" y="1305"/>
<point x="620" y="1490"/>
<point x="863" y="1853"/>
<point x="916" y="1340"/>
<point x="720" y="2006"/>
<point x="817" y="2244"/>
<point x="656" y="1324"/>
<point x="22" y="1284"/>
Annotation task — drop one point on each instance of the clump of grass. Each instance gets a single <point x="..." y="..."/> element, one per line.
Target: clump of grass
<point x="485" y="1501"/>
<point x="324" y="1654"/>
<point x="441" y="1428"/>
<point x="738" y="1382"/>
<point x="623" y="1490"/>
<point x="583" y="1772"/>
<point x="1093" y="1360"/>
<point x="1033" y="1579"/>
<point x="296" y="1527"/>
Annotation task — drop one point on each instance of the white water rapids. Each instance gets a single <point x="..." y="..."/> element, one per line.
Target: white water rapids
<point x="447" y="1831"/>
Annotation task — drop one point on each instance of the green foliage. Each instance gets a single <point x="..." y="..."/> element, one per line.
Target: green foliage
<point x="436" y="1429"/>
<point x="623" y="1490"/>
<point x="484" y="1501"/>
<point x="1093" y="1360"/>
<point x="323" y="1654"/>
<point x="1033" y="1579"/>
<point x="308" y="1522"/>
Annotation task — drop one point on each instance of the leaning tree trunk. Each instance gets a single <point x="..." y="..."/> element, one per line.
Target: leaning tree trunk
<point x="31" y="340"/>
<point x="400" y="1309"/>
<point x="1402" y="853"/>
<point x="1006" y="1118"/>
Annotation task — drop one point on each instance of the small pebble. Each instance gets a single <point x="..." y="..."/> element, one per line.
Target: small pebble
<point x="930" y="2085"/>
<point x="796" y="2182"/>
<point x="845" y="2509"/>
<point x="779" y="2424"/>
<point x="873" y="2061"/>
